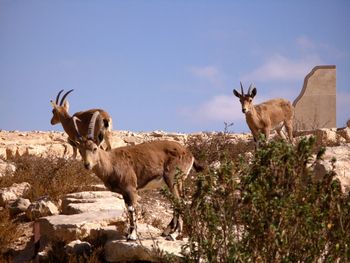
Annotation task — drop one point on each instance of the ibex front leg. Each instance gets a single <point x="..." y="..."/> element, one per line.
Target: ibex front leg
<point x="130" y="203"/>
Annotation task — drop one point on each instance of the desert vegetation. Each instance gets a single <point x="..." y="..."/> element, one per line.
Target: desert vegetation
<point x="271" y="208"/>
<point x="50" y="177"/>
<point x="264" y="205"/>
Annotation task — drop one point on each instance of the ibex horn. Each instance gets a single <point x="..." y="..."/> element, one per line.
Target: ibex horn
<point x="91" y="129"/>
<point x="58" y="96"/>
<point x="75" y="119"/>
<point x="249" y="89"/>
<point x="241" y="88"/>
<point x="64" y="96"/>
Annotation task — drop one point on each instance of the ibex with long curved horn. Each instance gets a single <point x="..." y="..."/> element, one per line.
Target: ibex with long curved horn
<point x="269" y="115"/>
<point x="149" y="165"/>
<point x="80" y="121"/>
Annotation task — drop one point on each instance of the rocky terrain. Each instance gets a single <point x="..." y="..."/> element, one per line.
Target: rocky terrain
<point x="93" y="213"/>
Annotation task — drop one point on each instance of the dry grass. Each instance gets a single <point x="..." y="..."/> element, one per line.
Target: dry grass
<point x="52" y="177"/>
<point x="9" y="233"/>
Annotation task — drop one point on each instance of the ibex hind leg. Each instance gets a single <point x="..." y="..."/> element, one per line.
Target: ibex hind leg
<point x="289" y="128"/>
<point x="75" y="149"/>
<point x="107" y="138"/>
<point x="174" y="181"/>
<point x="108" y="124"/>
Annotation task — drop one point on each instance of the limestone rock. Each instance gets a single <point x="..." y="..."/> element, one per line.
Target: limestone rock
<point x="6" y="168"/>
<point x="72" y="227"/>
<point x="118" y="142"/>
<point x="40" y="208"/>
<point x="79" y="248"/>
<point x="18" y="206"/>
<point x="345" y="133"/>
<point x="148" y="247"/>
<point x="342" y="165"/>
<point x="132" y="140"/>
<point x="81" y="202"/>
<point x="10" y="194"/>
<point x="158" y="134"/>
<point x="326" y="137"/>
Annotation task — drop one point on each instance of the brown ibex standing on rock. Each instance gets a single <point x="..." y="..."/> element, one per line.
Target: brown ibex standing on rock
<point x="80" y="121"/>
<point x="269" y="115"/>
<point x="148" y="165"/>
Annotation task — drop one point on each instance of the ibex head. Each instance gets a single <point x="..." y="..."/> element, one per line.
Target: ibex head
<point x="59" y="108"/>
<point x="246" y="99"/>
<point x="88" y="147"/>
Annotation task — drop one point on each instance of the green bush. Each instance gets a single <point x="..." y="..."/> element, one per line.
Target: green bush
<point x="272" y="209"/>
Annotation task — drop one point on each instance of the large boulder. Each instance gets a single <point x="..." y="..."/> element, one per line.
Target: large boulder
<point x="40" y="208"/>
<point x="10" y="194"/>
<point x="19" y="206"/>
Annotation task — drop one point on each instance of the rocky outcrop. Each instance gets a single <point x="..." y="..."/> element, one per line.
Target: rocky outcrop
<point x="341" y="166"/>
<point x="88" y="214"/>
<point x="19" y="206"/>
<point x="48" y="144"/>
<point x="92" y="214"/>
<point x="40" y="208"/>
<point x="12" y="193"/>
<point x="327" y="137"/>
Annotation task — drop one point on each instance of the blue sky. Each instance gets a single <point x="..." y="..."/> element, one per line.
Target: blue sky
<point x="165" y="65"/>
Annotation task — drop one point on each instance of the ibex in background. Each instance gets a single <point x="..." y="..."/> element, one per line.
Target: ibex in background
<point x="269" y="115"/>
<point x="80" y="121"/>
<point x="149" y="165"/>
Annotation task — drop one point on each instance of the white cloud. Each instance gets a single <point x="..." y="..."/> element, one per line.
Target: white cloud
<point x="279" y="67"/>
<point x="207" y="73"/>
<point x="218" y="108"/>
<point x="305" y="42"/>
<point x="307" y="45"/>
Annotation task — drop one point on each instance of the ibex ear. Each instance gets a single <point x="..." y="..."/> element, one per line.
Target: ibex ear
<point x="66" y="105"/>
<point x="253" y="93"/>
<point x="236" y="93"/>
<point x="53" y="104"/>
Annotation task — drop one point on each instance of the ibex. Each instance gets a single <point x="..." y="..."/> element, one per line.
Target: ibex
<point x="80" y="121"/>
<point x="149" y="165"/>
<point x="269" y="115"/>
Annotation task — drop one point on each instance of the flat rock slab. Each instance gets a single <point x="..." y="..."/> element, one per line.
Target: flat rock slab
<point x="91" y="201"/>
<point x="72" y="227"/>
<point x="149" y="247"/>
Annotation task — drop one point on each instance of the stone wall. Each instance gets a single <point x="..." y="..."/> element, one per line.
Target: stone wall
<point x="315" y="107"/>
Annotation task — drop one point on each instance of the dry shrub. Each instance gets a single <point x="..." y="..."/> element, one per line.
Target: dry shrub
<point x="51" y="177"/>
<point x="9" y="233"/>
<point x="213" y="147"/>
<point x="56" y="252"/>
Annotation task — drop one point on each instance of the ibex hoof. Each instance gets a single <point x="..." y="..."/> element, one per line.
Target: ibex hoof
<point x="131" y="237"/>
<point x="171" y="237"/>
